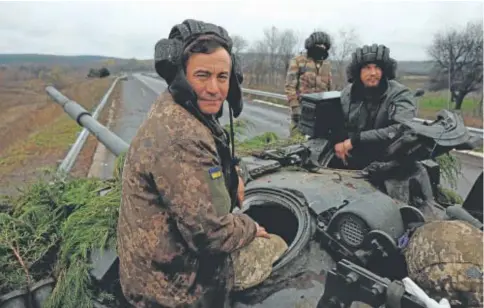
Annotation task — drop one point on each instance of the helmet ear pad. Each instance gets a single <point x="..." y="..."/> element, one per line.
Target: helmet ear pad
<point x="168" y="60"/>
<point x="234" y="97"/>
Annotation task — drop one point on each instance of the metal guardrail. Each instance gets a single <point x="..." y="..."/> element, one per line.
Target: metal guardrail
<point x="472" y="130"/>
<point x="76" y="147"/>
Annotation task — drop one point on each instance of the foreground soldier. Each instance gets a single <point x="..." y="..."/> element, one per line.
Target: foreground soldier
<point x="445" y="259"/>
<point x="308" y="73"/>
<point x="371" y="104"/>
<point x="178" y="243"/>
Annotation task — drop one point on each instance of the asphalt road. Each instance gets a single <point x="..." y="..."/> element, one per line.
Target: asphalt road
<point x="471" y="168"/>
<point x="262" y="118"/>
<point x="140" y="91"/>
<point x="136" y="101"/>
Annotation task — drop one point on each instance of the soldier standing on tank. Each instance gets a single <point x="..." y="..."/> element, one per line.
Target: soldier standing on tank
<point x="179" y="245"/>
<point x="371" y="104"/>
<point x="308" y="73"/>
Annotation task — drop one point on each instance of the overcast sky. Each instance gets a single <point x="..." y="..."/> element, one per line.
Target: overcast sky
<point x="130" y="29"/>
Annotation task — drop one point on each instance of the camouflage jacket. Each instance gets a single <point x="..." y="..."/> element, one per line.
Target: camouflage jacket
<point x="304" y="76"/>
<point x="175" y="232"/>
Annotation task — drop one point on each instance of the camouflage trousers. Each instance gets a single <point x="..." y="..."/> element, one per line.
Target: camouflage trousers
<point x="253" y="263"/>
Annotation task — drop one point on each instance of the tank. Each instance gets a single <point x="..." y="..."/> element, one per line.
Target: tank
<point x="345" y="228"/>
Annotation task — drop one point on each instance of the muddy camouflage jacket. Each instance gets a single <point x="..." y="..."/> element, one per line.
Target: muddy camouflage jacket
<point x="306" y="76"/>
<point x="175" y="231"/>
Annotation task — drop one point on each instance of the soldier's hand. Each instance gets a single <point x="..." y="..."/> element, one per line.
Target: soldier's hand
<point x="240" y="191"/>
<point x="339" y="150"/>
<point x="348" y="146"/>
<point x="261" y="232"/>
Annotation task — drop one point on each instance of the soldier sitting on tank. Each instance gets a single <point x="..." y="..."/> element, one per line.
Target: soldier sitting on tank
<point x="308" y="73"/>
<point x="179" y="244"/>
<point x="372" y="103"/>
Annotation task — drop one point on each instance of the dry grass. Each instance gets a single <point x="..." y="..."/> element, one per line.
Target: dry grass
<point x="85" y="158"/>
<point x="34" y="131"/>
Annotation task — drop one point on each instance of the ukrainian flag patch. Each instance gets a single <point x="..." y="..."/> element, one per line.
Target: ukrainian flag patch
<point x="215" y="172"/>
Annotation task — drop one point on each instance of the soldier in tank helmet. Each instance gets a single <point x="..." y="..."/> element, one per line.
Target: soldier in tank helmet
<point x="372" y="103"/>
<point x="308" y="73"/>
<point x="445" y="259"/>
<point x="179" y="243"/>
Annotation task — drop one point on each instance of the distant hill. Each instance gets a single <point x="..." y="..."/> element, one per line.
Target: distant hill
<point x="50" y="59"/>
<point x="404" y="67"/>
<point x="81" y="61"/>
<point x="415" y="67"/>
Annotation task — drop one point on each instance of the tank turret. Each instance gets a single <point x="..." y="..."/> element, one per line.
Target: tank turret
<point x="109" y="139"/>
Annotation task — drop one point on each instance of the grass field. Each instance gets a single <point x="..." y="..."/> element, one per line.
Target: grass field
<point x="428" y="105"/>
<point x="35" y="133"/>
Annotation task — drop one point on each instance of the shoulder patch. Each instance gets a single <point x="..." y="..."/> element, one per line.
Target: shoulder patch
<point x="215" y="172"/>
<point x="474" y="273"/>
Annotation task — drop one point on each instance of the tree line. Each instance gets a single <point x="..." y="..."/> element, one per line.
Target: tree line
<point x="455" y="53"/>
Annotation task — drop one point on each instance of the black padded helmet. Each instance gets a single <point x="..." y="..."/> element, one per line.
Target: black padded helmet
<point x="168" y="56"/>
<point x="378" y="54"/>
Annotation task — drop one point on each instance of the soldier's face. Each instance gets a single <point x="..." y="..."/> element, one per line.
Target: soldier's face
<point x="209" y="76"/>
<point x="370" y="75"/>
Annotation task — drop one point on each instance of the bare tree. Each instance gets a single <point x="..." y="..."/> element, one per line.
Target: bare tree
<point x="239" y="44"/>
<point x="344" y="44"/>
<point x="458" y="56"/>
<point x="272" y="41"/>
<point x="287" y="47"/>
<point x="258" y="66"/>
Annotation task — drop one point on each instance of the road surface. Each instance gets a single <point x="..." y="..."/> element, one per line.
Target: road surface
<point x="136" y="101"/>
<point x="263" y="118"/>
<point x="471" y="169"/>
<point x="140" y="91"/>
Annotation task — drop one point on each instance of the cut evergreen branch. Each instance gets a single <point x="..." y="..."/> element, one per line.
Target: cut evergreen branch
<point x="448" y="196"/>
<point x="450" y="168"/>
<point x="118" y="166"/>
<point x="50" y="229"/>
<point x="90" y="227"/>
<point x="72" y="288"/>
<point x="13" y="233"/>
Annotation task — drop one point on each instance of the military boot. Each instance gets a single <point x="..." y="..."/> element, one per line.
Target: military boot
<point x="253" y="263"/>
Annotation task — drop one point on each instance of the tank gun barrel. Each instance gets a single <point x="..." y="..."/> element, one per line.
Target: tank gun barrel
<point x="112" y="142"/>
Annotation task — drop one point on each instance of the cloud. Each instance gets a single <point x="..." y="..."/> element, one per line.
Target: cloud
<point x="130" y="29"/>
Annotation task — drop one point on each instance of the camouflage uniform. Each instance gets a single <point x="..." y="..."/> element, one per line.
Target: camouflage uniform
<point x="175" y="232"/>
<point x="445" y="259"/>
<point x="306" y="76"/>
